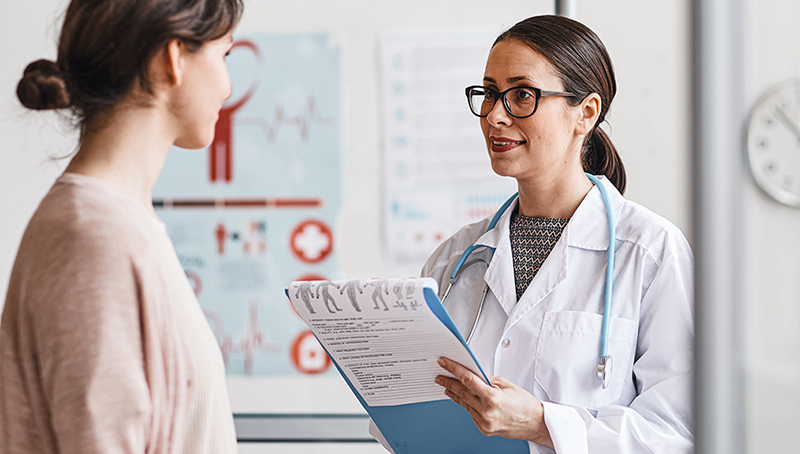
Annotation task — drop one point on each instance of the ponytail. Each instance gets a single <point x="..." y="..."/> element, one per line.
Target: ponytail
<point x="600" y="157"/>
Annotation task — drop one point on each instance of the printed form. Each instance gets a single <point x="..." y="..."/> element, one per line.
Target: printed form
<point x="383" y="336"/>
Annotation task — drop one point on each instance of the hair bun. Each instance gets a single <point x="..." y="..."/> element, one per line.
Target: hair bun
<point x="43" y="86"/>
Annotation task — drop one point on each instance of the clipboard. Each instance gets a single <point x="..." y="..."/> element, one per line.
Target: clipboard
<point x="434" y="427"/>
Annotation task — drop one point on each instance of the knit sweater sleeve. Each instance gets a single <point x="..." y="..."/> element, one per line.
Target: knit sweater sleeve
<point x="106" y="372"/>
<point x="88" y="339"/>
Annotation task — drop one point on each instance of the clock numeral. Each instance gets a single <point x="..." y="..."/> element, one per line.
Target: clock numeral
<point x="771" y="167"/>
<point x="768" y="121"/>
<point x="762" y="143"/>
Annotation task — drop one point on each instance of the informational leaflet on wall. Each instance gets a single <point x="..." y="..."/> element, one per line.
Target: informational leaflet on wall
<point x="437" y="171"/>
<point x="257" y="208"/>
<point x="383" y="336"/>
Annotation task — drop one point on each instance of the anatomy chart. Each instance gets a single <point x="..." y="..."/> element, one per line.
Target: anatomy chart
<point x="383" y="335"/>
<point x="437" y="170"/>
<point x="257" y="208"/>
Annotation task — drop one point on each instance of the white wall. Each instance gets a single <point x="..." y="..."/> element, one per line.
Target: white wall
<point x="771" y="250"/>
<point x="649" y="43"/>
<point x="653" y="142"/>
<point x="649" y="123"/>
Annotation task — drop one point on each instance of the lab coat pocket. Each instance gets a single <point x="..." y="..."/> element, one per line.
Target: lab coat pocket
<point x="568" y="354"/>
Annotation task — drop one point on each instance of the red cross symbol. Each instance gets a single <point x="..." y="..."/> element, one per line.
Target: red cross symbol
<point x="312" y="241"/>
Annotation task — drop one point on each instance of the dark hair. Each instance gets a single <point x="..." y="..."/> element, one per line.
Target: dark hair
<point x="583" y="64"/>
<point x="106" y="47"/>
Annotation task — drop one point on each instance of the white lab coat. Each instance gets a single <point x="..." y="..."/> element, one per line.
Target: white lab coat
<point x="548" y="342"/>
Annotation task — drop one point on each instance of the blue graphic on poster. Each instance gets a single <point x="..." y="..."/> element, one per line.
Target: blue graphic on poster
<point x="258" y="207"/>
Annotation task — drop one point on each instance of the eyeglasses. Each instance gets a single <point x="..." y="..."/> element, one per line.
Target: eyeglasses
<point x="520" y="102"/>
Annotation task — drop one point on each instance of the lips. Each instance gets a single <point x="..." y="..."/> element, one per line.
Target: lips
<point x="503" y="144"/>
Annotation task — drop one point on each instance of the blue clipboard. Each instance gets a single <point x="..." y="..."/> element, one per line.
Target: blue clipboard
<point x="438" y="427"/>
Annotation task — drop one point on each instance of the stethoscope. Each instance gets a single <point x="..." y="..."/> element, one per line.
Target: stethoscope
<point x="604" y="367"/>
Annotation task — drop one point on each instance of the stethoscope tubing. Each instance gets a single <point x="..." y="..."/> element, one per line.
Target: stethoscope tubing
<point x="605" y="360"/>
<point x="465" y="255"/>
<point x="612" y="231"/>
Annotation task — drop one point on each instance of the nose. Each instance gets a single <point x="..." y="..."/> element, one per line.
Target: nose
<point x="230" y="89"/>
<point x="228" y="84"/>
<point x="498" y="115"/>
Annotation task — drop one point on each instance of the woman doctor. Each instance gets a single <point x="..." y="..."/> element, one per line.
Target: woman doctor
<point x="537" y="331"/>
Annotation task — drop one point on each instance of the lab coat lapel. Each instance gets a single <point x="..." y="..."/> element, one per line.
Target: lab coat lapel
<point x="587" y="229"/>
<point x="590" y="221"/>
<point x="500" y="274"/>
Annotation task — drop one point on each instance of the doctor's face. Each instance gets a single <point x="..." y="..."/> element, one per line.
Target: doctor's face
<point x="543" y="145"/>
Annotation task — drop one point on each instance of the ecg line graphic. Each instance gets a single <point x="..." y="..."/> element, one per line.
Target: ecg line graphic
<point x="253" y="340"/>
<point x="302" y="121"/>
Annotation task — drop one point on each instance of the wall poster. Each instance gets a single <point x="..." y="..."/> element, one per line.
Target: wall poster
<point x="258" y="207"/>
<point x="437" y="171"/>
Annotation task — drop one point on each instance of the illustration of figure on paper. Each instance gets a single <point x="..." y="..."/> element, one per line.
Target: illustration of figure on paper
<point x="398" y="291"/>
<point x="326" y="296"/>
<point x="351" y="287"/>
<point x="304" y="291"/>
<point x="377" y="294"/>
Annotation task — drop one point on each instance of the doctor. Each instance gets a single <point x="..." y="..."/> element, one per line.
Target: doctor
<point x="531" y="295"/>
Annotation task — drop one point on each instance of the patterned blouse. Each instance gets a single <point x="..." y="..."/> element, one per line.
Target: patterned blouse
<point x="532" y="239"/>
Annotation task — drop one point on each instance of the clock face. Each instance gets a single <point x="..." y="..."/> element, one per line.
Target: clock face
<point x="773" y="142"/>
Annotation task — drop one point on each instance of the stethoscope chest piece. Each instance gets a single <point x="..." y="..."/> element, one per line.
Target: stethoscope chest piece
<point x="604" y="370"/>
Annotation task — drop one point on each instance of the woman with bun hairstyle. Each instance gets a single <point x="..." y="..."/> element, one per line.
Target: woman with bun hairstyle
<point x="547" y="88"/>
<point x="103" y="346"/>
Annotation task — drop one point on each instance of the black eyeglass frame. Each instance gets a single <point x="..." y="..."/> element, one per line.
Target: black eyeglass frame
<point x="502" y="95"/>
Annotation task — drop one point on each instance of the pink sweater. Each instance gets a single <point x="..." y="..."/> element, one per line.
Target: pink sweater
<point x="92" y="356"/>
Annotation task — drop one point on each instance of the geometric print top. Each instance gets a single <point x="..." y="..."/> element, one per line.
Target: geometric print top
<point x="532" y="240"/>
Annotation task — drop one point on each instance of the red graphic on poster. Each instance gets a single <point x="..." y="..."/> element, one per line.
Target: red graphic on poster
<point x="253" y="339"/>
<point x="220" y="157"/>
<point x="254" y="238"/>
<point x="301" y="121"/>
<point x="311" y="241"/>
<point x="195" y="282"/>
<point x="307" y="354"/>
<point x="221" y="234"/>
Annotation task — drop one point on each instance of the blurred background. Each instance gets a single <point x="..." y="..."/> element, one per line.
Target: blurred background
<point x="349" y="152"/>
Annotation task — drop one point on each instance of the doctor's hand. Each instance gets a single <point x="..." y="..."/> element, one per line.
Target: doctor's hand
<point x="504" y="409"/>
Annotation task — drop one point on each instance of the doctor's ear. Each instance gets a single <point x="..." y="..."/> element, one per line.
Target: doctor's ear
<point x="590" y="109"/>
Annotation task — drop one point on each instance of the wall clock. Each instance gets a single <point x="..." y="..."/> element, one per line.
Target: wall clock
<point x="773" y="142"/>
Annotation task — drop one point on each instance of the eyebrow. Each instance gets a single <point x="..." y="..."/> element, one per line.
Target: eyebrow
<point x="510" y="80"/>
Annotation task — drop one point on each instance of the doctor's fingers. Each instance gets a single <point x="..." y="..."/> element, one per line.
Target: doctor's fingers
<point x="471" y="403"/>
<point x="486" y="400"/>
<point x="464" y="375"/>
<point x="501" y="383"/>
<point x="453" y="388"/>
<point x="485" y="419"/>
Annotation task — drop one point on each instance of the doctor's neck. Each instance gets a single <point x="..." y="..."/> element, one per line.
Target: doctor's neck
<point x="552" y="196"/>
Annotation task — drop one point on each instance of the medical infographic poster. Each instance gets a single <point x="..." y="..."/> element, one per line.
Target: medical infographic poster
<point x="437" y="171"/>
<point x="258" y="208"/>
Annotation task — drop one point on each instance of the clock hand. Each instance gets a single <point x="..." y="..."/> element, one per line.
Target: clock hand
<point x="788" y="122"/>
